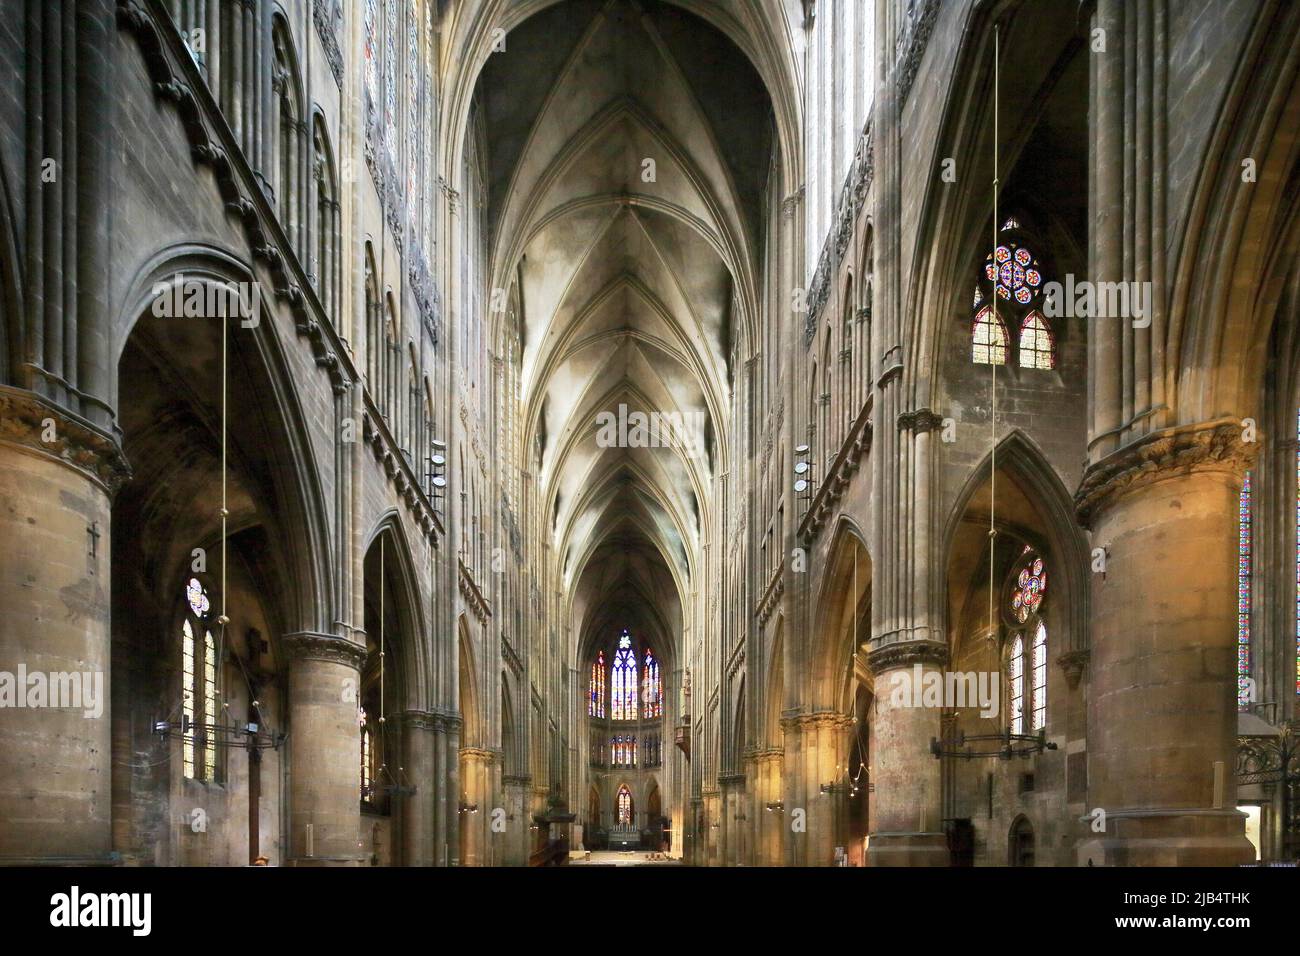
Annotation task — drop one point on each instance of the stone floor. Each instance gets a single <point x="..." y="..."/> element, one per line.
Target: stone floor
<point x="621" y="858"/>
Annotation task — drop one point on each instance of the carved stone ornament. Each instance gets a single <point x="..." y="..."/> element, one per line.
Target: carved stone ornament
<point x="313" y="646"/>
<point x="1180" y="450"/>
<point x="905" y="654"/>
<point x="31" y="422"/>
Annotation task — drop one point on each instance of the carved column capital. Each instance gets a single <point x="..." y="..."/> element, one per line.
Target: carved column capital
<point x="1171" y="452"/>
<point x="919" y="420"/>
<point x="315" y="646"/>
<point x="906" y="653"/>
<point x="419" y="719"/>
<point x="33" y="423"/>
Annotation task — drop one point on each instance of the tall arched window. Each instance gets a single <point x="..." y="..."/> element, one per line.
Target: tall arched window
<point x="988" y="339"/>
<point x="653" y="691"/>
<point x="284" y="84"/>
<point x="1036" y="342"/>
<point x="374" y="324"/>
<point x="367" y="757"/>
<point x="371" y="52"/>
<point x="1243" y="593"/>
<point x="327" y="221"/>
<point x="623" y="681"/>
<point x="1028" y="587"/>
<point x="1038" y="680"/>
<point x="624" y="806"/>
<point x="1017" y="674"/>
<point x="1011" y="283"/>
<point x="596" y="688"/>
<point x="390" y="80"/>
<point x="412" y="103"/>
<point x="198" y="686"/>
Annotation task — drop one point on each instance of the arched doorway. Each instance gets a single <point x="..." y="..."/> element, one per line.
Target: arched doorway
<point x="1020" y="844"/>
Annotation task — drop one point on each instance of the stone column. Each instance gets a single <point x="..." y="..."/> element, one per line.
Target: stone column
<point x="823" y="759"/>
<point x="519" y="819"/>
<point x="907" y="816"/>
<point x="417" y="772"/>
<point x="711" y="837"/>
<point x="56" y="479"/>
<point x="732" y="806"/>
<point x="475" y="769"/>
<point x="768" y="824"/>
<point x="324" y="749"/>
<point x="1163" y="711"/>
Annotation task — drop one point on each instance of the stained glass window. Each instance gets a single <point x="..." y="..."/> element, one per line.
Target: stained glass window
<point x="1035" y="342"/>
<point x="653" y="691"/>
<point x="198" y="687"/>
<point x="1031" y="584"/>
<point x="1038" y="680"/>
<point x="596" y="688"/>
<point x="988" y="339"/>
<point x="623" y="681"/>
<point x="1243" y="594"/>
<point x="390" y="80"/>
<point x="188" y="708"/>
<point x="366" y="761"/>
<point x="1018" y="685"/>
<point x="429" y="104"/>
<point x="1011" y="276"/>
<point x="198" y="598"/>
<point x="372" y="57"/>
<point x="1014" y="272"/>
<point x="412" y="96"/>
<point x="624" y="805"/>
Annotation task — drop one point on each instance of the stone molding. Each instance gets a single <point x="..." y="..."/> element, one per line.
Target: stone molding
<point x="315" y="646"/>
<point x="919" y="420"/>
<point x="915" y="40"/>
<point x="474" y="598"/>
<point x="1171" y="452"/>
<point x="419" y="719"/>
<point x="905" y="654"/>
<point x="831" y="718"/>
<point x="77" y="443"/>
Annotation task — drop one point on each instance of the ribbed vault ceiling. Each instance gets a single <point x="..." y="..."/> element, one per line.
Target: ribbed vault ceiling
<point x="628" y="290"/>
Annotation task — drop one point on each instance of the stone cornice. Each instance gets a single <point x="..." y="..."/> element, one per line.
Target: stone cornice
<point x="323" y="19"/>
<point x="400" y="472"/>
<point x="839" y="475"/>
<point x="1171" y="452"/>
<point x="852" y="196"/>
<point x="315" y="646"/>
<point x="73" y="441"/>
<point x="771" y="598"/>
<point x="905" y="654"/>
<point x="473" y="596"/>
<point x="915" y="40"/>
